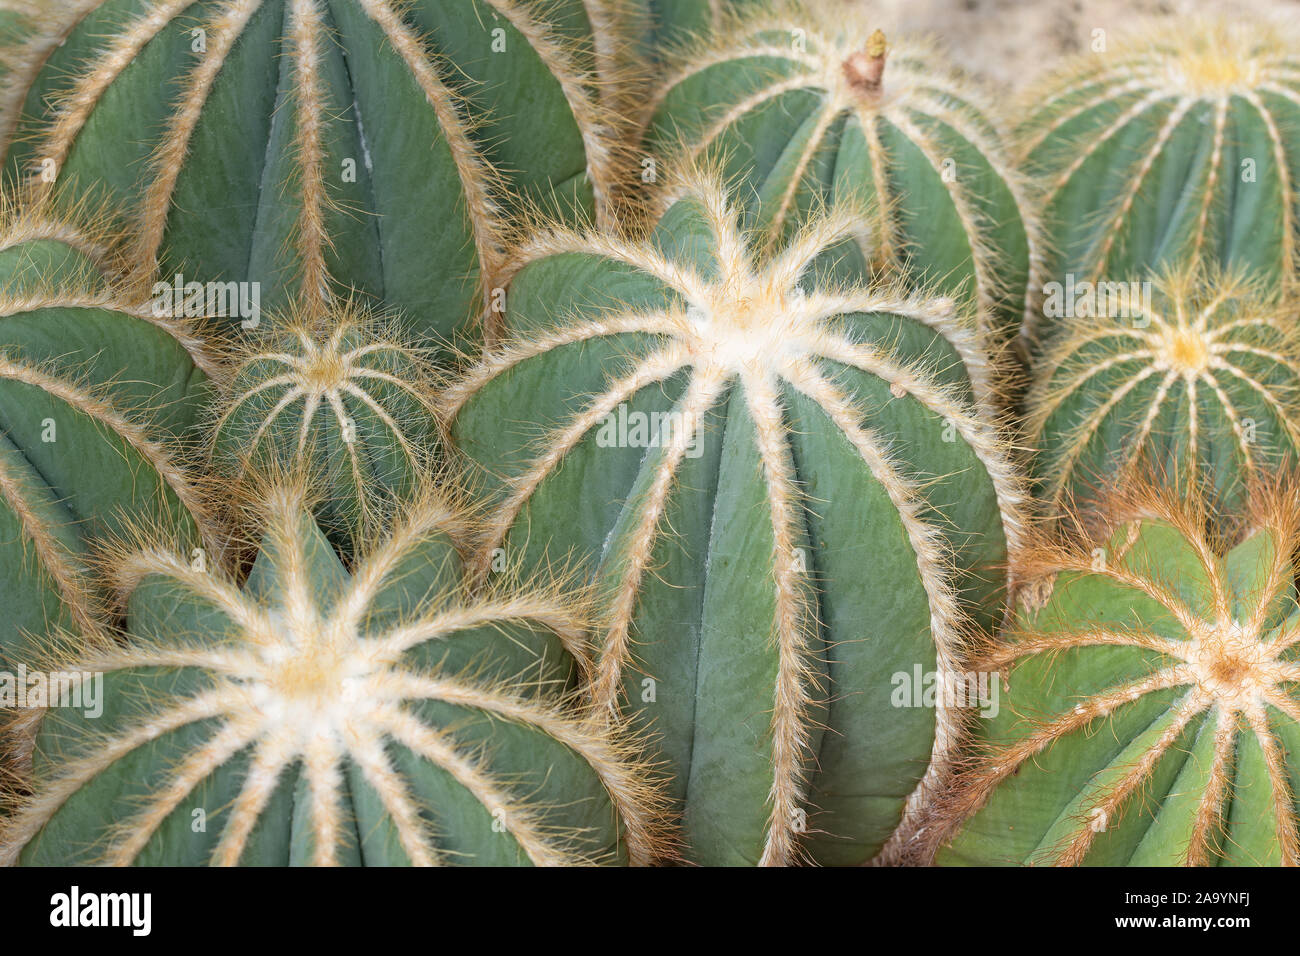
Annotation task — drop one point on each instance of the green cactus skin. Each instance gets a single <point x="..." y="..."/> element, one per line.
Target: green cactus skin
<point x="46" y="245"/>
<point x="87" y="443"/>
<point x="674" y="19"/>
<point x="807" y="109"/>
<point x="805" y="523"/>
<point x="1170" y="147"/>
<point x="1149" y="715"/>
<point x="677" y="21"/>
<point x="323" y="145"/>
<point x="1202" y="385"/>
<point x="320" y="718"/>
<point x="348" y="406"/>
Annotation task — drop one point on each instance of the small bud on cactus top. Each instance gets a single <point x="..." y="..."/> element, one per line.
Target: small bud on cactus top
<point x="1150" y="713"/>
<point x="786" y="491"/>
<point x="343" y="401"/>
<point x="864" y="68"/>
<point x="1170" y="145"/>
<point x="1199" y="379"/>
<point x="808" y="106"/>
<point x="316" y="717"/>
<point x="310" y="146"/>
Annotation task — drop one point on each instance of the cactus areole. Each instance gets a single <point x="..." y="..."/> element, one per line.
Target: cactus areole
<point x="808" y="109"/>
<point x="1199" y="378"/>
<point x="321" y="145"/>
<point x="785" y="491"/>
<point x="349" y="405"/>
<point x="1150" y="716"/>
<point x="312" y="717"/>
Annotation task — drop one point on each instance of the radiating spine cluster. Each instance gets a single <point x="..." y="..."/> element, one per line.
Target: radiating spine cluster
<point x="312" y="716"/>
<point x="1150" y="714"/>
<point x="708" y="433"/>
<point x="344" y="403"/>
<point x="1194" y="374"/>
<point x="809" y="107"/>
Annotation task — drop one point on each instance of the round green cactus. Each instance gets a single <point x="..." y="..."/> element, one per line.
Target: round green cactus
<point x="97" y="403"/>
<point x="320" y="145"/>
<point x="1150" y="715"/>
<point x="1195" y="374"/>
<point x="344" y="402"/>
<point x="313" y="717"/>
<point x="785" y="491"/>
<point x="1171" y="146"/>
<point x="807" y="109"/>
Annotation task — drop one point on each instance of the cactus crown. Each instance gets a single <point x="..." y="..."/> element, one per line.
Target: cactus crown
<point x="1220" y="60"/>
<point x="752" y="352"/>
<point x="343" y="399"/>
<point x="1201" y="378"/>
<point x="1188" y="654"/>
<point x="882" y="106"/>
<point x="738" y="315"/>
<point x="378" y="693"/>
<point x="1198" y="59"/>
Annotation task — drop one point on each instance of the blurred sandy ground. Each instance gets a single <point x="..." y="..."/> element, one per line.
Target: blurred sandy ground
<point x="1011" y="42"/>
<point x="1006" y="42"/>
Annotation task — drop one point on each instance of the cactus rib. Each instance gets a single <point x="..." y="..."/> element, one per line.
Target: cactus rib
<point x="873" y="122"/>
<point x="1186" y="656"/>
<point x="1201" y="383"/>
<point x="314" y="79"/>
<point x="87" y="439"/>
<point x="746" y="341"/>
<point x="375" y="696"/>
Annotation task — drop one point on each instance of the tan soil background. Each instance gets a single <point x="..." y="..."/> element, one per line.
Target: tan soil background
<point x="1008" y="43"/>
<point x="1013" y="42"/>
